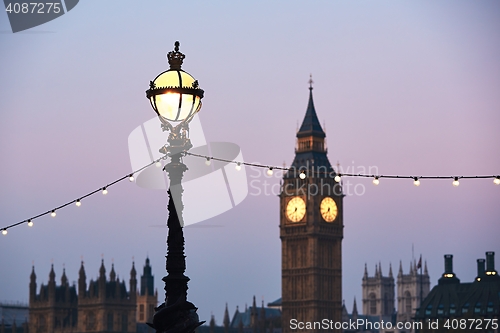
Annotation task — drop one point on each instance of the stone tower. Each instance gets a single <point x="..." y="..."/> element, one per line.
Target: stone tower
<point x="147" y="298"/>
<point x="412" y="288"/>
<point x="311" y="230"/>
<point x="378" y="293"/>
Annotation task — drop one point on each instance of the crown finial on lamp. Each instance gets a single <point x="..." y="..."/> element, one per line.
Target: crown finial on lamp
<point x="175" y="58"/>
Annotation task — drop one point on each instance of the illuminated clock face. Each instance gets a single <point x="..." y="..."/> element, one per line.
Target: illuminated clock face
<point x="328" y="209"/>
<point x="296" y="209"/>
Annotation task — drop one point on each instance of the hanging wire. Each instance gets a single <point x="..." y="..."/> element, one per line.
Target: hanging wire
<point x="302" y="175"/>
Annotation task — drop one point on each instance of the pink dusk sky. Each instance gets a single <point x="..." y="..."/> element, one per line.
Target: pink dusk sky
<point x="408" y="88"/>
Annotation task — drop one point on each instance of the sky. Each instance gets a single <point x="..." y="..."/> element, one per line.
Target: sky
<point x="404" y="88"/>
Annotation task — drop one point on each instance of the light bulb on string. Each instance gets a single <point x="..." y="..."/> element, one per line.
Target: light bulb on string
<point x="131" y="177"/>
<point x="4" y="232"/>
<point x="496" y="181"/>
<point x="456" y="182"/>
<point x="208" y="162"/>
<point x="78" y="203"/>
<point x="104" y="191"/>
<point x="53" y="213"/>
<point x="158" y="164"/>
<point x="338" y="178"/>
<point x="376" y="181"/>
<point x="238" y="166"/>
<point x="302" y="175"/>
<point x="416" y="181"/>
<point x="30" y="223"/>
<point x="270" y="171"/>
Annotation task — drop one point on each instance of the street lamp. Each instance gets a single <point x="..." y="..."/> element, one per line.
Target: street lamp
<point x="176" y="98"/>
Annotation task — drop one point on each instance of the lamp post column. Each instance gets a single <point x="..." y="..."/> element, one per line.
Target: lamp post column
<point x="175" y="282"/>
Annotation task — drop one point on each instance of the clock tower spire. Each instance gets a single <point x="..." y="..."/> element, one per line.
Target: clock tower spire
<point x="311" y="231"/>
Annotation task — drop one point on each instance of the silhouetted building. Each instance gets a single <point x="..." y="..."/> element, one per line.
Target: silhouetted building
<point x="102" y="306"/>
<point x="467" y="307"/>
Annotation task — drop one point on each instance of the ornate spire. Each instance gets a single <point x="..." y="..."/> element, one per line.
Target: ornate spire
<point x="52" y="275"/>
<point x="380" y="268"/>
<point x="400" y="272"/>
<point x="390" y="270"/>
<point x="354" y="307"/>
<point x="64" y="279"/>
<point x="33" y="275"/>
<point x="82" y="281"/>
<point x="365" y="275"/>
<point x="112" y="274"/>
<point x="310" y="125"/>
<point x="425" y="268"/>
<point x="102" y="271"/>
<point x="226" y="318"/>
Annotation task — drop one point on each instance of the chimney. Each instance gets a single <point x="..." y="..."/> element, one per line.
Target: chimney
<point x="490" y="261"/>
<point x="448" y="275"/>
<point x="448" y="264"/>
<point x="481" y="270"/>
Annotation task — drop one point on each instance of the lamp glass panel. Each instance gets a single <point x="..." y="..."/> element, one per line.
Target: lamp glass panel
<point x="187" y="80"/>
<point x="168" y="105"/>
<point x="167" y="79"/>
<point x="188" y="108"/>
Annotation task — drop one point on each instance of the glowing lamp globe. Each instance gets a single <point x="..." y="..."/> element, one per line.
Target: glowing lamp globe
<point x="174" y="94"/>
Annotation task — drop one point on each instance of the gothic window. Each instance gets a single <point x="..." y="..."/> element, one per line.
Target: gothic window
<point x="90" y="321"/>
<point x="41" y="323"/>
<point x="110" y="321"/>
<point x="407" y="302"/>
<point x="373" y="304"/>
<point x="124" y="322"/>
<point x="141" y="312"/>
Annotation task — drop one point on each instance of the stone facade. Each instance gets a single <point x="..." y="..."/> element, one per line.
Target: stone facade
<point x="102" y="306"/>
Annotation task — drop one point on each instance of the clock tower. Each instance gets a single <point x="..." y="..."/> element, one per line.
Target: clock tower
<point x="311" y="232"/>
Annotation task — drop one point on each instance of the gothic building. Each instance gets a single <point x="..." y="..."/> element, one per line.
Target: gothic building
<point x="311" y="230"/>
<point x="379" y="298"/>
<point x="104" y="305"/>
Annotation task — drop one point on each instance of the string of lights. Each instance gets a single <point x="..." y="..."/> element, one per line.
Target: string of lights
<point x="78" y="201"/>
<point x="302" y="174"/>
<point x="338" y="176"/>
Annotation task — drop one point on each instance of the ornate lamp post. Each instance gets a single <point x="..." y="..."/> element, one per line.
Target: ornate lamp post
<point x="176" y="98"/>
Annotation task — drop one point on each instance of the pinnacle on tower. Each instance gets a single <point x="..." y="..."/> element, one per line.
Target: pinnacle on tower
<point x="33" y="275"/>
<point x="64" y="279"/>
<point x="112" y="274"/>
<point x="102" y="271"/>
<point x="52" y="275"/>
<point x="390" y="270"/>
<point x="226" y="317"/>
